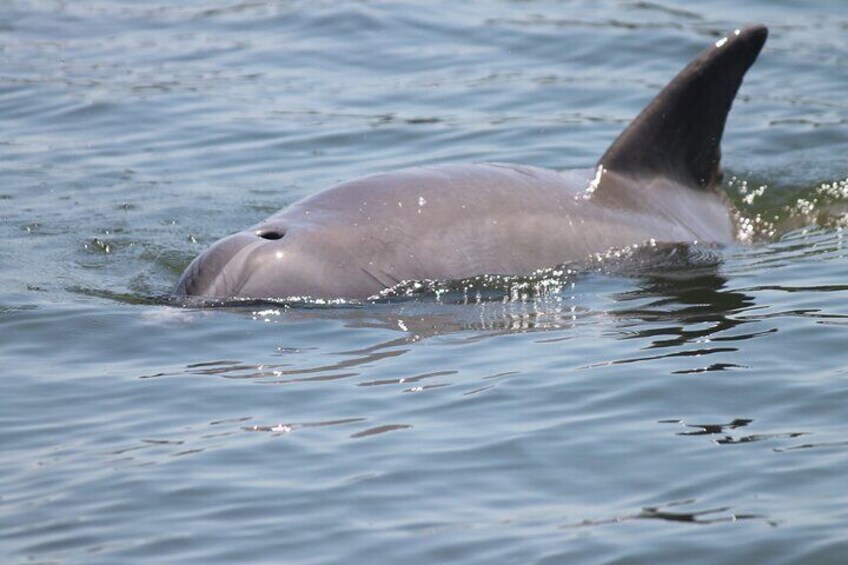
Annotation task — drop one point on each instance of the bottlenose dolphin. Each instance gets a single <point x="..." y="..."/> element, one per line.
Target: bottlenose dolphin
<point x="658" y="181"/>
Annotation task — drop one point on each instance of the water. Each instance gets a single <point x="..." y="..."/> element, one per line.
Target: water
<point x="689" y="409"/>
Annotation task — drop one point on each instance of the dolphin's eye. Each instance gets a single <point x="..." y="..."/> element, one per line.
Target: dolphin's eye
<point x="270" y="234"/>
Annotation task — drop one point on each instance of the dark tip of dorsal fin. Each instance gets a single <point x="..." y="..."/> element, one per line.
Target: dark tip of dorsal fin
<point x="678" y="134"/>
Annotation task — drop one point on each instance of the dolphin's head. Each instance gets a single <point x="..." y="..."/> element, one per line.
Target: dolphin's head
<point x="262" y="262"/>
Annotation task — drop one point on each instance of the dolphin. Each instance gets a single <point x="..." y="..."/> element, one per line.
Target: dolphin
<point x="658" y="182"/>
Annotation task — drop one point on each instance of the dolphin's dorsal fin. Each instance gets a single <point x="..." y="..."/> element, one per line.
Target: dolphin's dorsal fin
<point x="678" y="134"/>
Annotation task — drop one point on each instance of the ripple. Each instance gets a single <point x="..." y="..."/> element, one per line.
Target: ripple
<point x="728" y="439"/>
<point x="669" y="513"/>
<point x="380" y="430"/>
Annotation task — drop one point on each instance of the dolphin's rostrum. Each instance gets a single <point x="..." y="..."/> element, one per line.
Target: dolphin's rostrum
<point x="658" y="181"/>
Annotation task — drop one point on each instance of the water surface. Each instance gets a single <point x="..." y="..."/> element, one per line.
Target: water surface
<point x="691" y="407"/>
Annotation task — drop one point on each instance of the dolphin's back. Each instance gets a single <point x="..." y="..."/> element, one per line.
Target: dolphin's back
<point x="455" y="221"/>
<point x="657" y="181"/>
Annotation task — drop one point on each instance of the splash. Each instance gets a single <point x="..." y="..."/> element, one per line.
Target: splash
<point x="765" y="213"/>
<point x="551" y="283"/>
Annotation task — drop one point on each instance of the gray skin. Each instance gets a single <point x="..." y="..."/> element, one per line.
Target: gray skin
<point x="657" y="182"/>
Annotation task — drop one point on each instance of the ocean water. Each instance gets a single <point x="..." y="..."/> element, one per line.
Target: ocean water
<point x="690" y="406"/>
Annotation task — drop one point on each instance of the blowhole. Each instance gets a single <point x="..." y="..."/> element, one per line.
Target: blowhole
<point x="271" y="234"/>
